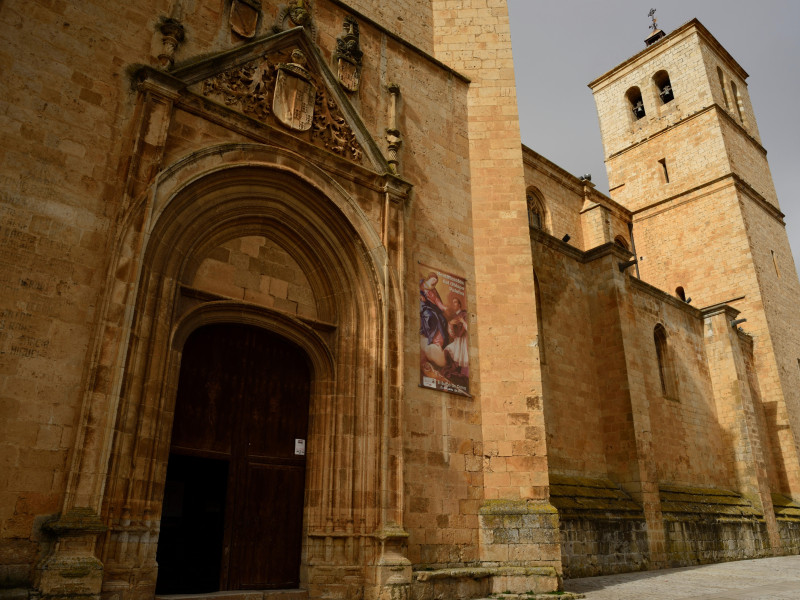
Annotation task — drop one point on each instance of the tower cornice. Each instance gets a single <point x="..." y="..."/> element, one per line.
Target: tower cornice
<point x="686" y="29"/>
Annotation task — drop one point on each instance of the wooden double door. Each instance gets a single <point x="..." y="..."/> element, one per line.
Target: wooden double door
<point x="233" y="502"/>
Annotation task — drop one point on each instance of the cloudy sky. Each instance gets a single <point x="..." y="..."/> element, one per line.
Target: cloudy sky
<point x="562" y="45"/>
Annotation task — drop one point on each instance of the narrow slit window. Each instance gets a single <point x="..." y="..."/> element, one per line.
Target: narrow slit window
<point x="666" y="367"/>
<point x="663" y="163"/>
<point x="775" y="263"/>
<point x="722" y="85"/>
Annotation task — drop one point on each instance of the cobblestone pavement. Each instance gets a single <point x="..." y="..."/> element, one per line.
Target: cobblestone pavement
<point x="761" y="579"/>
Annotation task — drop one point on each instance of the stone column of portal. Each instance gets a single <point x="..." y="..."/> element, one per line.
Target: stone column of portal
<point x="736" y="410"/>
<point x="519" y="528"/>
<point x="71" y="568"/>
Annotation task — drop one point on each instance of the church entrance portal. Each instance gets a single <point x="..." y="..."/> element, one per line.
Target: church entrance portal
<point x="233" y="502"/>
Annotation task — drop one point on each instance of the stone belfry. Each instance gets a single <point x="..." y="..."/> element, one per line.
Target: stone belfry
<point x="683" y="153"/>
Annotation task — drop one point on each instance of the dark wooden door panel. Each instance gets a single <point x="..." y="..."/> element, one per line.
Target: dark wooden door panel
<point x="210" y="382"/>
<point x="267" y="533"/>
<point x="243" y="396"/>
<point x="277" y="398"/>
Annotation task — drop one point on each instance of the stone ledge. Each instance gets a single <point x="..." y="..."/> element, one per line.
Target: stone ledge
<point x="691" y="503"/>
<point x="582" y="496"/>
<point x="785" y="508"/>
<point x="240" y="595"/>
<point x="483" y="572"/>
<point x="545" y="596"/>
<point x="517" y="507"/>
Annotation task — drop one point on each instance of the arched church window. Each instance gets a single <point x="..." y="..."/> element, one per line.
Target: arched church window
<point x="621" y="242"/>
<point x="535" y="209"/>
<point x="634" y="96"/>
<point x="661" y="79"/>
<point x="666" y="366"/>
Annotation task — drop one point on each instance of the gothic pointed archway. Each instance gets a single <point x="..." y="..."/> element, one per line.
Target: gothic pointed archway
<point x="163" y="287"/>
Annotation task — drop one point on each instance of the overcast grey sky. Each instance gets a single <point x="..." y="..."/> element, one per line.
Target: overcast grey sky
<point x="562" y="45"/>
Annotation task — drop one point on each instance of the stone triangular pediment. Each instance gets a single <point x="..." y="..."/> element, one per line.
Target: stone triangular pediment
<point x="283" y="81"/>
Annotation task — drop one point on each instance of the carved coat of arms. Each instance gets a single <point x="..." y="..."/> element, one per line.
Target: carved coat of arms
<point x="295" y="94"/>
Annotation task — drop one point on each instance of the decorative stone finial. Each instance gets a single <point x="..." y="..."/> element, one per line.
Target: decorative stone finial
<point x="173" y="34"/>
<point x="393" y="139"/>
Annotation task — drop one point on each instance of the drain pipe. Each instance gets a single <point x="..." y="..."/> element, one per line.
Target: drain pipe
<point x="633" y="247"/>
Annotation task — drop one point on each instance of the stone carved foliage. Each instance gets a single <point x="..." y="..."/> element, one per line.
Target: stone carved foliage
<point x="250" y="89"/>
<point x="332" y="130"/>
<point x="247" y="88"/>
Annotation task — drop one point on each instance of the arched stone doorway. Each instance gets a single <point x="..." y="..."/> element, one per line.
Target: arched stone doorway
<point x="233" y="503"/>
<point x="182" y="252"/>
<point x="162" y="286"/>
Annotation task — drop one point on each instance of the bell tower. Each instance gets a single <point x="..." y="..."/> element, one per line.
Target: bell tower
<point x="683" y="153"/>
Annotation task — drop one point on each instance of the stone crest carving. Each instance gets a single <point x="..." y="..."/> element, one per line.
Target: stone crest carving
<point x="295" y="94"/>
<point x="348" y="55"/>
<point x="244" y="17"/>
<point x="297" y="13"/>
<point x="278" y="89"/>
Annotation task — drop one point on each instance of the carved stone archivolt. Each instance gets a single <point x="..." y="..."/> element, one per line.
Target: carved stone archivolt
<point x="278" y="89"/>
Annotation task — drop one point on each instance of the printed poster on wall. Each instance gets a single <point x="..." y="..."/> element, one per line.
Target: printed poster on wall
<point x="443" y="331"/>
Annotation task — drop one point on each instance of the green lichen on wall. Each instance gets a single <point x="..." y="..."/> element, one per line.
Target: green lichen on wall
<point x="584" y="496"/>
<point x="687" y="503"/>
<point x="786" y="509"/>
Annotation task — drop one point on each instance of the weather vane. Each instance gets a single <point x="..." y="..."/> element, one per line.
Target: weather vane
<point x="652" y="15"/>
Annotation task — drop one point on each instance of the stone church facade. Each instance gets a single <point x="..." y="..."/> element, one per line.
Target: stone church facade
<point x="286" y="304"/>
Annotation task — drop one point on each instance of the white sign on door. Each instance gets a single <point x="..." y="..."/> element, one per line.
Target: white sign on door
<point x="300" y="447"/>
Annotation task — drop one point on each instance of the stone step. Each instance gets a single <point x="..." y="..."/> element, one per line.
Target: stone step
<point x="532" y="596"/>
<point x="241" y="595"/>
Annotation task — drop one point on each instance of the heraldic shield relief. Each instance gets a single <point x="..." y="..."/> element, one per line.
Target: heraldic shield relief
<point x="293" y="102"/>
<point x="443" y="331"/>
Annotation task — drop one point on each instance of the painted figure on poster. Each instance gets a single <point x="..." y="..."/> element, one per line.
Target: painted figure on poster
<point x="433" y="324"/>
<point x="444" y="340"/>
<point x="458" y="349"/>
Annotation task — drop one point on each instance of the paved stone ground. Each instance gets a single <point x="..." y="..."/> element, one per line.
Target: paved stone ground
<point x="761" y="579"/>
